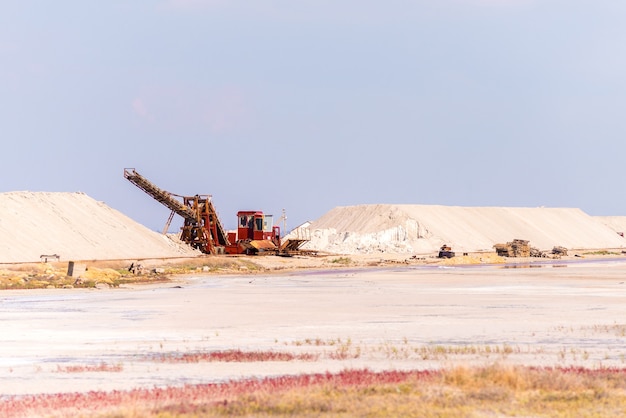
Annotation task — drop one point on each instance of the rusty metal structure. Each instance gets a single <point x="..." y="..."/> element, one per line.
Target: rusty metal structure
<point x="203" y="230"/>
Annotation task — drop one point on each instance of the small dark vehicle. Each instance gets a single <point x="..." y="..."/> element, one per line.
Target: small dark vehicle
<point x="445" y="252"/>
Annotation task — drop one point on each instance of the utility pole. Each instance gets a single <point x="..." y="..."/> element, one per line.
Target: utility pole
<point x="283" y="218"/>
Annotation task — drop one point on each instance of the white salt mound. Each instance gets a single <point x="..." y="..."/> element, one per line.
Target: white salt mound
<point x="76" y="227"/>
<point x="616" y="223"/>
<point x="423" y="229"/>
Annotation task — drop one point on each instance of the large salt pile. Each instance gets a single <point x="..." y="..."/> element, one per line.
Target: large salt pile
<point x="76" y="227"/>
<point x="422" y="229"/>
<point x="616" y="223"/>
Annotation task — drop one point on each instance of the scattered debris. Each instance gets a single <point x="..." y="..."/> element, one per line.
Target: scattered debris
<point x="135" y="268"/>
<point x="522" y="248"/>
<point x="515" y="248"/>
<point x="536" y="252"/>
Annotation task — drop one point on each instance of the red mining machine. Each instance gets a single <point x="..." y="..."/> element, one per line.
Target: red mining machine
<point x="204" y="231"/>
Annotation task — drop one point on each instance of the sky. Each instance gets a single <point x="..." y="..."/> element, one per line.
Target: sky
<point x="308" y="105"/>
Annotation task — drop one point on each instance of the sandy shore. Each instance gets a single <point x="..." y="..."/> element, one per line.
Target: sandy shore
<point x="393" y="317"/>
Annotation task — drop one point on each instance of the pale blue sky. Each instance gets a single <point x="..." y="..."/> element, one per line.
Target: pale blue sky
<point x="308" y="105"/>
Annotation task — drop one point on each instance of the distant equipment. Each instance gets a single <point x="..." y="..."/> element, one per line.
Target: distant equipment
<point x="515" y="248"/>
<point x="522" y="248"/>
<point x="203" y="229"/>
<point x="446" y="252"/>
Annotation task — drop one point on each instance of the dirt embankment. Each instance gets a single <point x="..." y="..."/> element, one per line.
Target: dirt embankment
<point x="113" y="273"/>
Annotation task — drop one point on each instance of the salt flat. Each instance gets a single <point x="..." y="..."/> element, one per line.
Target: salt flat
<point x="397" y="318"/>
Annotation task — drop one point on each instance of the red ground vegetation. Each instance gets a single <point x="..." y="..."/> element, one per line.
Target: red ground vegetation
<point x="232" y="356"/>
<point x="188" y="397"/>
<point x="519" y="391"/>
<point x="83" y="368"/>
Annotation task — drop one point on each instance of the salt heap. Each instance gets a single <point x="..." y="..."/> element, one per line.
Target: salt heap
<point x="76" y="227"/>
<point x="616" y="223"/>
<point x="423" y="229"/>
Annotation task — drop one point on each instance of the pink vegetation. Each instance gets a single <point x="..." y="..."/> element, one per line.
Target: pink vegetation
<point x="191" y="394"/>
<point x="233" y="356"/>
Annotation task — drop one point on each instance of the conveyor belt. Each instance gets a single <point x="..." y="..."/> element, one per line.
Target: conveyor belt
<point x="159" y="195"/>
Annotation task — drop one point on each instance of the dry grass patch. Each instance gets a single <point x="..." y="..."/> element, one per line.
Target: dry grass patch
<point x="341" y="349"/>
<point x="342" y="261"/>
<point x="213" y="264"/>
<point x="113" y="273"/>
<point x="618" y="330"/>
<point x="487" y="258"/>
<point x="33" y="276"/>
<point x="458" y="392"/>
